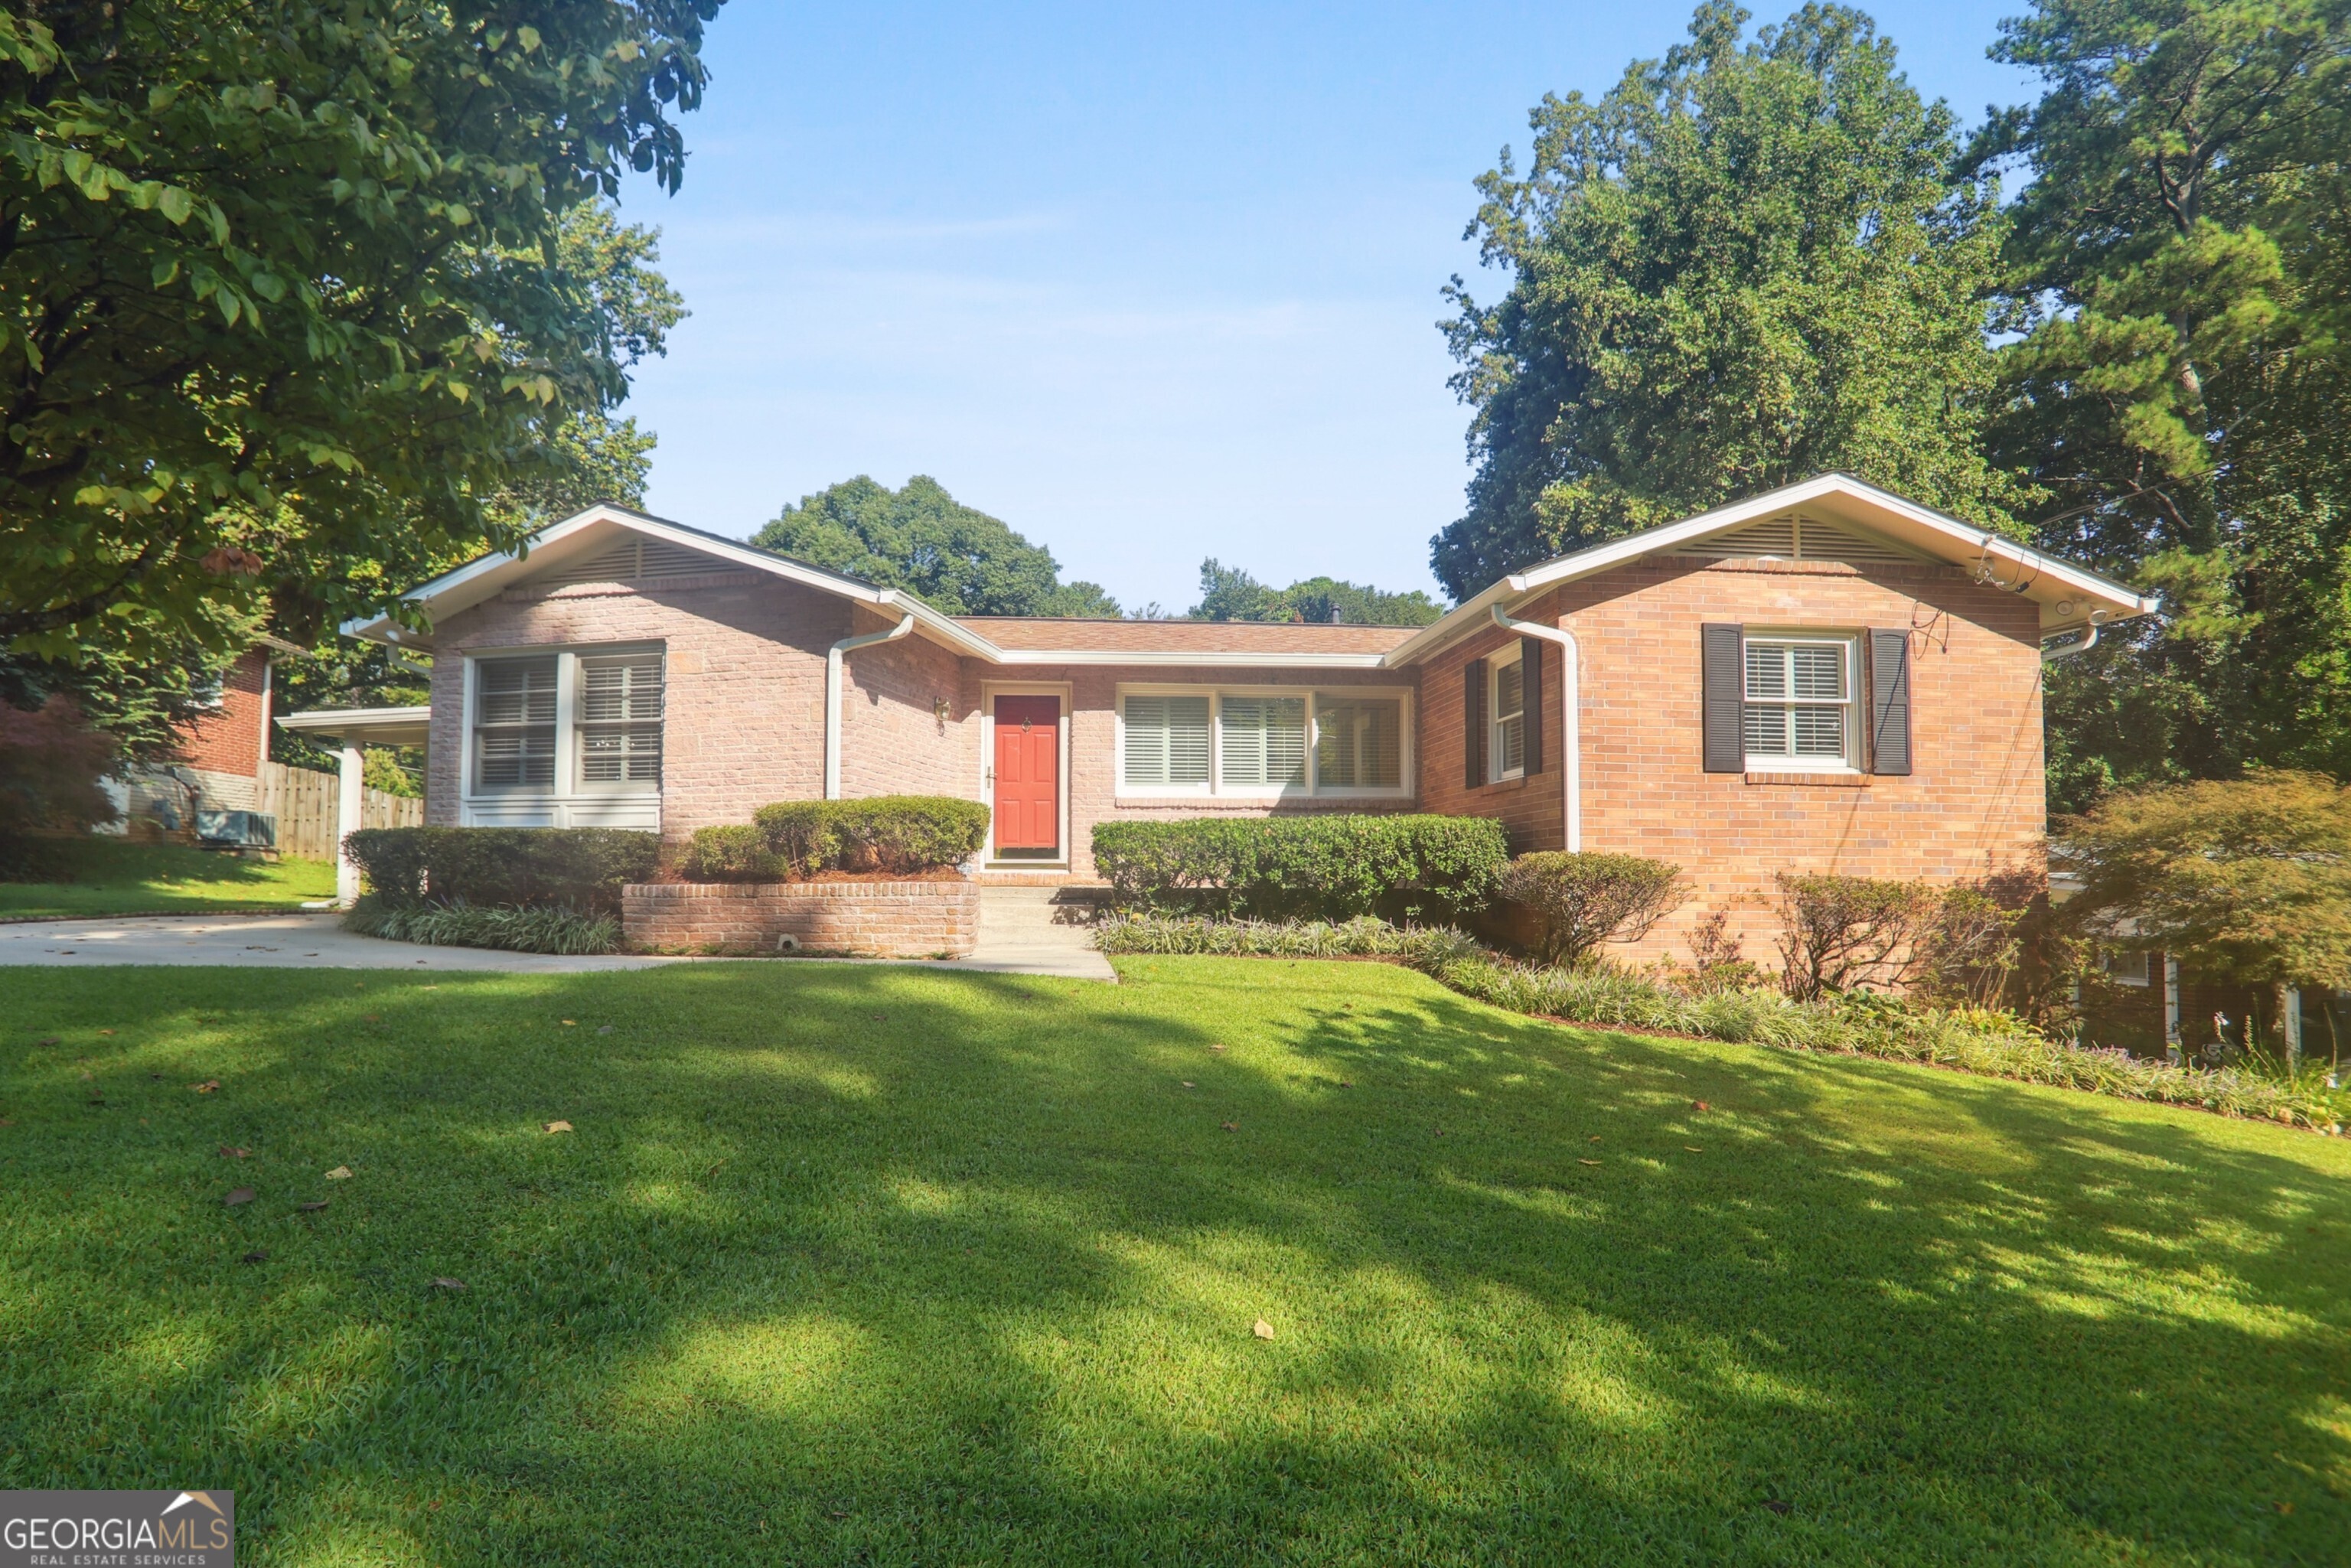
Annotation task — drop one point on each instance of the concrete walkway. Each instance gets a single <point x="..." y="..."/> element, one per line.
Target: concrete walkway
<point x="1020" y="942"/>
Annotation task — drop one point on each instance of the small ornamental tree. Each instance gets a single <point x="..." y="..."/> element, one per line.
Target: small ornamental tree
<point x="2246" y="879"/>
<point x="1583" y="900"/>
<point x="1839" y="932"/>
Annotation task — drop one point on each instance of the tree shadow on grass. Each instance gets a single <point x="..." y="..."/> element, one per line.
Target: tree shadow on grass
<point x="848" y="1264"/>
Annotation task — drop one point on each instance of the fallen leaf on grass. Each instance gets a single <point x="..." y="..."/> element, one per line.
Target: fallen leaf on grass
<point x="444" y="1282"/>
<point x="229" y="1154"/>
<point x="1587" y="1162"/>
<point x="1594" y="1139"/>
<point x="571" y="1023"/>
<point x="106" y="1031"/>
<point x="1186" y="1082"/>
<point x="1693" y="1148"/>
<point x="1697" y="1104"/>
<point x="256" y="1256"/>
<point x="237" y="1195"/>
<point x="558" y="1127"/>
<point x="206" y="1087"/>
<point x="313" y="1207"/>
<point x="1232" y="1126"/>
<point x="1216" y="1048"/>
<point x="48" y="1040"/>
<point x="375" y="1018"/>
<point x="1776" y="1506"/>
<point x="603" y="1029"/>
<point x="7" y="1122"/>
<point x="156" y="1076"/>
<point x="1264" y="1329"/>
<point x="341" y="1172"/>
<point x="714" y="1171"/>
<point x="87" y="1075"/>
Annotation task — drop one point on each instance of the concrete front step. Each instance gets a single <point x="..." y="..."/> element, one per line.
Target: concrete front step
<point x="1039" y="930"/>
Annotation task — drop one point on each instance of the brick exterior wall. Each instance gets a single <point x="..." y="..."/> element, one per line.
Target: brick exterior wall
<point x="868" y="919"/>
<point x="233" y="738"/>
<point x="1973" y="801"/>
<point x="892" y="740"/>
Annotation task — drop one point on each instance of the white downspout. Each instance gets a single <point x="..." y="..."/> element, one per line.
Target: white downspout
<point x="2089" y="640"/>
<point x="1571" y="730"/>
<point x="832" y="697"/>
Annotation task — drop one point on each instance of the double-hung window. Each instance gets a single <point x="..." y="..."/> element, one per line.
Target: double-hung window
<point x="568" y="724"/>
<point x="1506" y="741"/>
<point x="514" y="723"/>
<point x="1800" y="712"/>
<point x="1244" y="743"/>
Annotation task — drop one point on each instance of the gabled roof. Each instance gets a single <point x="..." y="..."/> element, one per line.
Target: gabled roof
<point x="584" y="534"/>
<point x="2071" y="598"/>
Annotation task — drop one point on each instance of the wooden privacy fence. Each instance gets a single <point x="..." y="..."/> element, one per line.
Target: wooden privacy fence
<point x="307" y="804"/>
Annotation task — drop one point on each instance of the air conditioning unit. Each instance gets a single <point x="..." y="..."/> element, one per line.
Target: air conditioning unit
<point x="236" y="830"/>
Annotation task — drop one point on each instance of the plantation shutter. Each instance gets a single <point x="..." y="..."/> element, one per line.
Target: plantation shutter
<point x="1722" y="697"/>
<point x="1889" y="702"/>
<point x="1531" y="657"/>
<point x="1473" y="724"/>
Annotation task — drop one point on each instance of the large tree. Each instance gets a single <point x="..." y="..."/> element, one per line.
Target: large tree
<point x="955" y="558"/>
<point x="1747" y="264"/>
<point x="1229" y="593"/>
<point x="283" y="311"/>
<point x="2180" y="262"/>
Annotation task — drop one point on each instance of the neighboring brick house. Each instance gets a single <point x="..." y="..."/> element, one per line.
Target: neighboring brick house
<point x="1827" y="677"/>
<point x="217" y="763"/>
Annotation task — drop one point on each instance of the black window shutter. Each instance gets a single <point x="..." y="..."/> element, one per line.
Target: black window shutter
<point x="1889" y="702"/>
<point x="1473" y="724"/>
<point x="1723" y="697"/>
<point x="1531" y="661"/>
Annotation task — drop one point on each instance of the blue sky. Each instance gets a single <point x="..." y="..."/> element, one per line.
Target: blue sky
<point x="1150" y="284"/>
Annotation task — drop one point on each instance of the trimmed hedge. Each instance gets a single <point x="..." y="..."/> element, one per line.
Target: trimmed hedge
<point x="794" y="839"/>
<point x="583" y="868"/>
<point x="1334" y="867"/>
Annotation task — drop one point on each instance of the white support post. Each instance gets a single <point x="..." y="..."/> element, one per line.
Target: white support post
<point x="347" y="822"/>
<point x="2292" y="1029"/>
<point x="2171" y="1040"/>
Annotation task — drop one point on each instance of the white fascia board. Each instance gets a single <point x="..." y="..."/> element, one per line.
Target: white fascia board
<point x="1226" y="660"/>
<point x="393" y="725"/>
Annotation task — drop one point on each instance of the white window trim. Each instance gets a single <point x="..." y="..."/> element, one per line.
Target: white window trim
<point x="1513" y="652"/>
<point x="1857" y="713"/>
<point x="565" y="786"/>
<point x="1215" y="789"/>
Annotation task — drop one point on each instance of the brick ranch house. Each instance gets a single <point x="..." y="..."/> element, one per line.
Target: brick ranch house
<point x="1825" y="677"/>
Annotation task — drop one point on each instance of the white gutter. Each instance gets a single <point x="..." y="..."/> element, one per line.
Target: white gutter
<point x="1571" y="732"/>
<point x="2087" y="641"/>
<point x="833" y="695"/>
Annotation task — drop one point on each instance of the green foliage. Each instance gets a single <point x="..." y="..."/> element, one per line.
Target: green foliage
<point x="1839" y="932"/>
<point x="144" y="690"/>
<point x="2247" y="879"/>
<point x="381" y="767"/>
<point x="50" y="763"/>
<point x="894" y="834"/>
<point x="1229" y="593"/>
<point x="516" y="928"/>
<point x="1365" y="937"/>
<point x="584" y="867"/>
<point x="1742" y="266"/>
<point x="1866" y="1024"/>
<point x="1583" y="900"/>
<point x="285" y="308"/>
<point x="2180" y="274"/>
<point x="730" y="853"/>
<point x="956" y="560"/>
<point x="1337" y="866"/>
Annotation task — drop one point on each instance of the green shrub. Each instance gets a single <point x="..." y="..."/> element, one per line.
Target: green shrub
<point x="524" y="929"/>
<point x="1337" y="866"/>
<point x="583" y="867"/>
<point x="1363" y="937"/>
<point x="1583" y="900"/>
<point x="1839" y="932"/>
<point x="896" y="834"/>
<point x="729" y="854"/>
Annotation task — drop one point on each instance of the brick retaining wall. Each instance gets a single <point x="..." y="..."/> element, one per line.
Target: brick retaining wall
<point x="868" y="919"/>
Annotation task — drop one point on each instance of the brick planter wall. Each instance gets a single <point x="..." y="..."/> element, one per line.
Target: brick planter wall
<point x="868" y="919"/>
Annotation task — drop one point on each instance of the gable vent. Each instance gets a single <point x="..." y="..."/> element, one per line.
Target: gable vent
<point x="1799" y="537"/>
<point x="632" y="558"/>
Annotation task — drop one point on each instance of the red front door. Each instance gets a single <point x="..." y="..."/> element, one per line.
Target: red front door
<point x="1027" y="773"/>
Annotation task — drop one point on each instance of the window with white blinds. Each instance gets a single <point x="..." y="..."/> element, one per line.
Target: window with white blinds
<point x="1799" y="703"/>
<point x="1506" y="751"/>
<point x="619" y="720"/>
<point x="566" y="723"/>
<point x="514" y="723"/>
<point x="1166" y="742"/>
<point x="1262" y="743"/>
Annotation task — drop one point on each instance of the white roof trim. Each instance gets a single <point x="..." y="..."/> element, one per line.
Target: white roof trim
<point x="2045" y="579"/>
<point x="470" y="584"/>
<point x="359" y="723"/>
<point x="1220" y="659"/>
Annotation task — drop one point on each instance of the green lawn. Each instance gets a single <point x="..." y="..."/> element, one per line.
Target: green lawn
<point x="873" y="1265"/>
<point x="111" y="876"/>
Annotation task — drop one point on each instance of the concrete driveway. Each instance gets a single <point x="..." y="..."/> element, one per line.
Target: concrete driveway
<point x="320" y="942"/>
